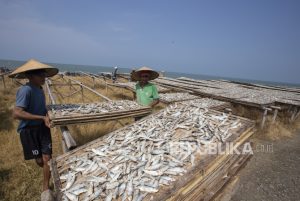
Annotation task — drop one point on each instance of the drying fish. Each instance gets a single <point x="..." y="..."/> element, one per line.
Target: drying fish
<point x="175" y="97"/>
<point x="137" y="160"/>
<point x="103" y="107"/>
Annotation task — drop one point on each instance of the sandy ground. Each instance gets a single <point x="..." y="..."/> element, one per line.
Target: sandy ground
<point x="272" y="173"/>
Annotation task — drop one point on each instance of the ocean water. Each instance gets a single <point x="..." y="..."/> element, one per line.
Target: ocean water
<point x="12" y="64"/>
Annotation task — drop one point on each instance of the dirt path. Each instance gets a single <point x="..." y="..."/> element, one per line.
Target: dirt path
<point x="272" y="174"/>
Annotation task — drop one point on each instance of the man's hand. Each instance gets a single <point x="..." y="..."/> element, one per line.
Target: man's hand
<point x="154" y="102"/>
<point x="21" y="114"/>
<point x="47" y="121"/>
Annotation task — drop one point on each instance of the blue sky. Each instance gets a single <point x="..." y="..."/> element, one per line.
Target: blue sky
<point x="250" y="39"/>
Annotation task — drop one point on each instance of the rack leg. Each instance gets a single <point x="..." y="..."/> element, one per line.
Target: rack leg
<point x="3" y="79"/>
<point x="264" y="118"/>
<point x="82" y="93"/>
<point x="274" y="116"/>
<point x="294" y="113"/>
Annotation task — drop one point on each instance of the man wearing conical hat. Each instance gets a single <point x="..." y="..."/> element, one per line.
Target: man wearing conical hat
<point x="146" y="93"/>
<point x="30" y="109"/>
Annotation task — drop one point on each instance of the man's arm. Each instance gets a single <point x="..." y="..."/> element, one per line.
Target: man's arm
<point x="154" y="102"/>
<point x="21" y="114"/>
<point x="155" y="96"/>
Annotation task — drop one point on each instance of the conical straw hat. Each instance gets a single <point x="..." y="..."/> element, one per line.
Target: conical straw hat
<point x="135" y="75"/>
<point x="33" y="65"/>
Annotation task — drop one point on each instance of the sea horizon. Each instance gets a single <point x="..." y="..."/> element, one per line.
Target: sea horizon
<point x="12" y="64"/>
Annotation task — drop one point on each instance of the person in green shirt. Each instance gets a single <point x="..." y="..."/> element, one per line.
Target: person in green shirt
<point x="146" y="93"/>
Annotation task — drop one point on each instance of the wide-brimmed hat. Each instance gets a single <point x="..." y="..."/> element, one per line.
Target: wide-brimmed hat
<point x="32" y="65"/>
<point x="135" y="75"/>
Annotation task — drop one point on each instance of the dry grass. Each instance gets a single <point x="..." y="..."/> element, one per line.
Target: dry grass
<point x="281" y="128"/>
